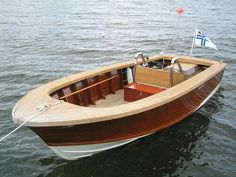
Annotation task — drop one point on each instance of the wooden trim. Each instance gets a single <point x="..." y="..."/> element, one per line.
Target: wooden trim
<point x="130" y="126"/>
<point x="151" y="76"/>
<point x="110" y="83"/>
<point x="121" y="78"/>
<point x="137" y="91"/>
<point x="66" y="114"/>
<point x="89" y="92"/>
<point x="63" y="82"/>
<point x="98" y="78"/>
<point x="88" y="87"/>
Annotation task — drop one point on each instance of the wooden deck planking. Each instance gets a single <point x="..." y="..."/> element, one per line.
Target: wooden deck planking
<point x="111" y="100"/>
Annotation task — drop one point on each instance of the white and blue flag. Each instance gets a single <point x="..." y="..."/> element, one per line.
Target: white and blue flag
<point x="203" y="41"/>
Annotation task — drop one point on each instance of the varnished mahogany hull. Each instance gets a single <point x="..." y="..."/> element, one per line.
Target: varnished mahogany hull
<point x="132" y="126"/>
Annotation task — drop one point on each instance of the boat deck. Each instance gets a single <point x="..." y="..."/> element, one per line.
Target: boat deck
<point x="111" y="100"/>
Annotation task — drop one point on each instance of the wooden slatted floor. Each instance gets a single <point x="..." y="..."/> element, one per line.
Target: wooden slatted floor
<point x="111" y="100"/>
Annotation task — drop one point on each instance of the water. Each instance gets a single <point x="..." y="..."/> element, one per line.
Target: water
<point x="41" y="41"/>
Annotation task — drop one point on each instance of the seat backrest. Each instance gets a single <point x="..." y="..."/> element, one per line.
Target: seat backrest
<point x="157" y="77"/>
<point x="152" y="76"/>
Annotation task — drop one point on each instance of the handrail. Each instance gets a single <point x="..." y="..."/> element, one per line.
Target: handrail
<point x="90" y="86"/>
<point x="173" y="61"/>
<point x="144" y="58"/>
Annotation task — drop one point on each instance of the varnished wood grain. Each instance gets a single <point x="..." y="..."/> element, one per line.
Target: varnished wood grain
<point x="88" y="87"/>
<point x="137" y="91"/>
<point x="130" y="126"/>
<point x="67" y="114"/>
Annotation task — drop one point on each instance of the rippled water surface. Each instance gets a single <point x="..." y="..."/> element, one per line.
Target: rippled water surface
<point x="41" y="41"/>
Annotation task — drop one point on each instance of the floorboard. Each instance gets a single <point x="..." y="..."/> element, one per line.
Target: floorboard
<point x="111" y="100"/>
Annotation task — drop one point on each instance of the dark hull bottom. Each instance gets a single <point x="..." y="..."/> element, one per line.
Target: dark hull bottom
<point x="131" y="126"/>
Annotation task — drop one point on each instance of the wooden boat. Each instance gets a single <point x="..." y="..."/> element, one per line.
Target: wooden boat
<point x="114" y="105"/>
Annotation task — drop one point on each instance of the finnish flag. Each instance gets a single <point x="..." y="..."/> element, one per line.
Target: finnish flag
<point x="203" y="41"/>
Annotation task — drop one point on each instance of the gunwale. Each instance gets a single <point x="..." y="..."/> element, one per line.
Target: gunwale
<point x="66" y="114"/>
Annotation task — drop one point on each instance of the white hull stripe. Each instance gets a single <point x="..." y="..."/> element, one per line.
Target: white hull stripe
<point x="209" y="96"/>
<point x="75" y="152"/>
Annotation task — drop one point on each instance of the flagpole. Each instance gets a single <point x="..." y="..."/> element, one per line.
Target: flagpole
<point x="191" y="52"/>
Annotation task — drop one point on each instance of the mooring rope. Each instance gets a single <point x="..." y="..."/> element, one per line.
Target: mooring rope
<point x="41" y="108"/>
